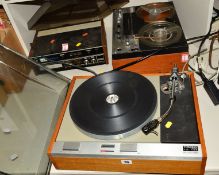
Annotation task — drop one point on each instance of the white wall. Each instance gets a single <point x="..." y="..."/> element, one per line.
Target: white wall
<point x="194" y="15"/>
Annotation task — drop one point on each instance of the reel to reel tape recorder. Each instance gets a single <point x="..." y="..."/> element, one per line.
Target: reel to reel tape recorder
<point x="141" y="30"/>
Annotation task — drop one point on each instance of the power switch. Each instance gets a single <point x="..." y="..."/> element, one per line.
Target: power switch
<point x="125" y="147"/>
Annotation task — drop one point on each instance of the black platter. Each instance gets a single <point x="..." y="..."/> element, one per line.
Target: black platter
<point x="113" y="105"/>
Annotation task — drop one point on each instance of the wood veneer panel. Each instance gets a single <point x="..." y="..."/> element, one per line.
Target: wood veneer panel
<point x="137" y="166"/>
<point x="198" y="117"/>
<point x="154" y="64"/>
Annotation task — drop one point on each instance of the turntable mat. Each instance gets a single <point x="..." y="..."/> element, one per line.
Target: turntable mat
<point x="91" y="112"/>
<point x="183" y="117"/>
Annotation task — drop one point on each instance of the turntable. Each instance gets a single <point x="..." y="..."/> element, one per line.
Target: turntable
<point x="141" y="30"/>
<point x="99" y="127"/>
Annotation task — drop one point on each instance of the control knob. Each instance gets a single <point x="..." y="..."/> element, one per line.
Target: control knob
<point x="86" y="62"/>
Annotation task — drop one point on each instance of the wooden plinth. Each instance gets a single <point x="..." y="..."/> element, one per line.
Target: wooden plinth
<point x="138" y="165"/>
<point x="154" y="64"/>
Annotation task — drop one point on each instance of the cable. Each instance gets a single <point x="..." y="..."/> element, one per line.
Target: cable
<point x="204" y="39"/>
<point x="137" y="61"/>
<point x="216" y="11"/>
<point x="81" y="68"/>
<point x="187" y="62"/>
<point x="199" y="83"/>
<point x="200" y="47"/>
<point x="75" y="66"/>
<point x="199" y="38"/>
<point x="211" y="51"/>
<point x="196" y="37"/>
<point x="196" y="41"/>
<point x="218" y="74"/>
<point x="3" y="173"/>
<point x="206" y="36"/>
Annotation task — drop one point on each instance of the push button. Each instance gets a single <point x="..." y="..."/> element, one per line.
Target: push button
<point x="128" y="147"/>
<point x="71" y="146"/>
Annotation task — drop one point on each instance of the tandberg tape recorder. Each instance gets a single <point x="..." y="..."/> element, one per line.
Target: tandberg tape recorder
<point x="141" y="30"/>
<point x="72" y="33"/>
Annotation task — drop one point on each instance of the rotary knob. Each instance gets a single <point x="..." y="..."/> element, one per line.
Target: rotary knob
<point x="86" y="62"/>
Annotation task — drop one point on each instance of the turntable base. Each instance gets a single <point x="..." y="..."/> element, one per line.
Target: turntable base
<point x="138" y="166"/>
<point x="71" y="149"/>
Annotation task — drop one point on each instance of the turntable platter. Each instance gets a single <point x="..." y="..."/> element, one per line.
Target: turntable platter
<point x="113" y="105"/>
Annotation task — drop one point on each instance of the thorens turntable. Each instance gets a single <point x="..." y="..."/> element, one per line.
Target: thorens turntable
<point x="141" y="30"/>
<point x="101" y="125"/>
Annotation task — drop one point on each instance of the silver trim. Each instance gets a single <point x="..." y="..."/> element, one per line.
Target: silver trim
<point x="70" y="51"/>
<point x="146" y="151"/>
